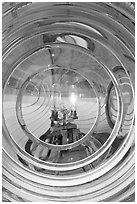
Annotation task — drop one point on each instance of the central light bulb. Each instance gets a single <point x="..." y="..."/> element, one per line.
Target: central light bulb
<point x="73" y="96"/>
<point x="73" y="99"/>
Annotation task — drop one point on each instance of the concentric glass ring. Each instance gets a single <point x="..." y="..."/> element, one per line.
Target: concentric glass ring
<point x="75" y="60"/>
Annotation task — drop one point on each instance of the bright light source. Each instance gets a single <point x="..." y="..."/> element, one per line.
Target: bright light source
<point x="73" y="98"/>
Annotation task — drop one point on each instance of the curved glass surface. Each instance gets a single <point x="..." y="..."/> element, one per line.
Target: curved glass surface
<point x="68" y="102"/>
